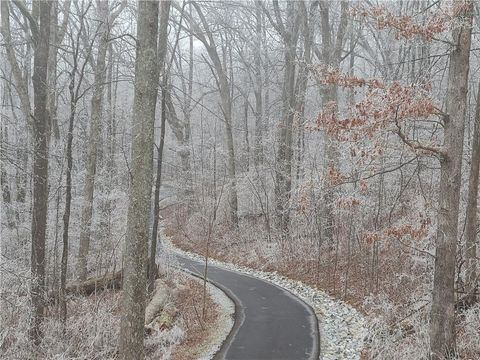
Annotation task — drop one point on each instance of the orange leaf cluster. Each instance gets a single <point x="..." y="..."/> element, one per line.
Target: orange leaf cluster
<point x="334" y="177"/>
<point x="327" y="75"/>
<point x="381" y="105"/>
<point x="347" y="203"/>
<point x="405" y="26"/>
<point x="400" y="231"/>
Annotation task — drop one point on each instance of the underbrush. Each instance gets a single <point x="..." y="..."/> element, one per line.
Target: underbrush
<point x="389" y="282"/>
<point x="93" y="323"/>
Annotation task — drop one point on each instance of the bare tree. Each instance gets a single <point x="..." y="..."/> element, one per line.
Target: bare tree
<point x="257" y="55"/>
<point x="106" y="22"/>
<point x="136" y="243"/>
<point x="442" y="317"/>
<point x="330" y="55"/>
<point x="162" y="47"/>
<point x="289" y="32"/>
<point x="57" y="33"/>
<point x="74" y="88"/>
<point x="40" y="29"/>
<point x="204" y="34"/>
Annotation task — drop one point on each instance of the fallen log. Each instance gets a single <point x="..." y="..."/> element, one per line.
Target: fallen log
<point x="90" y="286"/>
<point x="160" y="311"/>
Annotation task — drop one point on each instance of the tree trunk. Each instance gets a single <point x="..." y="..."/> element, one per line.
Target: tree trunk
<point x="162" y="44"/>
<point x="57" y="33"/>
<point x="21" y="87"/>
<point x="21" y="80"/>
<point x="283" y="176"/>
<point x="302" y="82"/>
<point x="442" y="317"/>
<point x="471" y="276"/>
<point x="258" y="140"/>
<point x="68" y="198"/>
<point x="52" y="74"/>
<point x="93" y="140"/>
<point x="136" y="242"/>
<point x="331" y="55"/>
<point x="68" y="180"/>
<point x="41" y="36"/>
<point x="156" y="201"/>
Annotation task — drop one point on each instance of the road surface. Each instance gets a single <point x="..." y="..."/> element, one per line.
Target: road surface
<point x="270" y="323"/>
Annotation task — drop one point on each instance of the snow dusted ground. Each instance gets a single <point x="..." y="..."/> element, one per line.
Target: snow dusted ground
<point x="342" y="328"/>
<point x="224" y="323"/>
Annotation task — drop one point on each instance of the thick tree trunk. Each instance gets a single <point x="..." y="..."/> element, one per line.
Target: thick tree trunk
<point x="331" y="54"/>
<point x="40" y="168"/>
<point x="442" y="317"/>
<point x="283" y="176"/>
<point x="471" y="276"/>
<point x="93" y="140"/>
<point x="136" y="242"/>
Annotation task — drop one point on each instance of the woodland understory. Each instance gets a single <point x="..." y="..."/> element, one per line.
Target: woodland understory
<point x="388" y="287"/>
<point x="334" y="142"/>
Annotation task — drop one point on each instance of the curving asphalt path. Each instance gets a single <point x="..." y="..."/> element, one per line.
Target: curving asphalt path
<point x="270" y="322"/>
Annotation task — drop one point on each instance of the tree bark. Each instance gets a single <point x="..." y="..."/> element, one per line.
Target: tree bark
<point x="73" y="89"/>
<point x="471" y="276"/>
<point x="136" y="243"/>
<point x="302" y="82"/>
<point x="21" y="86"/>
<point x="68" y="197"/>
<point x="257" y="58"/>
<point x="21" y="81"/>
<point x="283" y="176"/>
<point x="41" y="36"/>
<point x="162" y="43"/>
<point x="331" y="56"/>
<point x="442" y="317"/>
<point x="56" y="35"/>
<point x="156" y="202"/>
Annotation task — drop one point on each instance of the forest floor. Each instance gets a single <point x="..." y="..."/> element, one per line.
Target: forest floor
<point x="203" y="334"/>
<point x="93" y="323"/>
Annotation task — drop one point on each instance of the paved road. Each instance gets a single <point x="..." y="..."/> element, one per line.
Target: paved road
<point x="270" y="322"/>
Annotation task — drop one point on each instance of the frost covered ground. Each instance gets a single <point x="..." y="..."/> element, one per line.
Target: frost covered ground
<point x="223" y="325"/>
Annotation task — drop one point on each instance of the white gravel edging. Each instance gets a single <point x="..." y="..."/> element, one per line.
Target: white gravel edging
<point x="342" y="328"/>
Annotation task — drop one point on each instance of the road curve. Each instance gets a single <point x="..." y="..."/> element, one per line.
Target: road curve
<point x="270" y="322"/>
